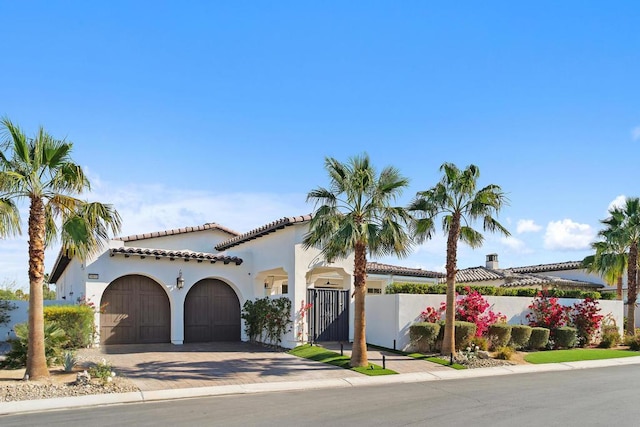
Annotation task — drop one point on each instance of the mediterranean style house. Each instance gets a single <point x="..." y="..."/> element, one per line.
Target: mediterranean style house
<point x="189" y="284"/>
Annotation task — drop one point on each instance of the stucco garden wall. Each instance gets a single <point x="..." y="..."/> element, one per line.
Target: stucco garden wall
<point x="21" y="315"/>
<point x="390" y="316"/>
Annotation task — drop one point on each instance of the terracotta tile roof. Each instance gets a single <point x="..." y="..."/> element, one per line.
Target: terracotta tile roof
<point x="272" y="227"/>
<point x="378" y="268"/>
<point x="184" y="254"/>
<point x="521" y="281"/>
<point x="207" y="226"/>
<point x="540" y="268"/>
<point x="476" y="274"/>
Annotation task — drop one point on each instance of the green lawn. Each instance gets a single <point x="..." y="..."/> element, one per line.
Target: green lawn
<point x="577" y="354"/>
<point x="421" y="356"/>
<point x="323" y="355"/>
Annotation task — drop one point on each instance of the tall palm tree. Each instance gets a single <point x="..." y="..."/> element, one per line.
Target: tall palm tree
<point x="456" y="199"/>
<point x="355" y="215"/>
<point x="624" y="224"/>
<point x="40" y="170"/>
<point x="609" y="260"/>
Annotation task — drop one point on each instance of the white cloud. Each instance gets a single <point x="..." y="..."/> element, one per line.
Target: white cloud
<point x="618" y="202"/>
<point x="568" y="235"/>
<point x="514" y="244"/>
<point x="635" y="133"/>
<point x="527" y="226"/>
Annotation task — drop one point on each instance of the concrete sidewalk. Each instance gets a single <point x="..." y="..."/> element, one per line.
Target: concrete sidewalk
<point x="315" y="376"/>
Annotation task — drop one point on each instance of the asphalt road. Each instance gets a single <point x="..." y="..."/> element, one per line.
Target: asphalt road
<point x="589" y="397"/>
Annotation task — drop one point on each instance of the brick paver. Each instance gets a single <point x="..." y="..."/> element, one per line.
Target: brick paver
<point x="167" y="366"/>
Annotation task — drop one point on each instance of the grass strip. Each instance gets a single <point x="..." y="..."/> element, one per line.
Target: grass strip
<point x="323" y="355"/>
<point x="420" y="356"/>
<point x="577" y="354"/>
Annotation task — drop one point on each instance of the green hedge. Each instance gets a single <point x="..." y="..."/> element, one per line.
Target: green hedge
<point x="423" y="336"/>
<point x="539" y="338"/>
<point x="75" y="320"/>
<point x="441" y="289"/>
<point x="465" y="331"/>
<point x="565" y="337"/>
<point x="520" y="335"/>
<point x="499" y="334"/>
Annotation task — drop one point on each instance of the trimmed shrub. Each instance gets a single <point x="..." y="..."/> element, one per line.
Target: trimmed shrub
<point x="499" y="334"/>
<point x="565" y="337"/>
<point x="520" y="335"/>
<point x="608" y="296"/>
<point x="423" y="336"/>
<point x="75" y="320"/>
<point x="464" y="332"/>
<point x="504" y="353"/>
<point x="539" y="338"/>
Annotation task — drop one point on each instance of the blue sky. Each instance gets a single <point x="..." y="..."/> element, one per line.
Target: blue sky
<point x="192" y="112"/>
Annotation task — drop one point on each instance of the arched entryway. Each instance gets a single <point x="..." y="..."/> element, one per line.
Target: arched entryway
<point x="211" y="312"/>
<point x="136" y="310"/>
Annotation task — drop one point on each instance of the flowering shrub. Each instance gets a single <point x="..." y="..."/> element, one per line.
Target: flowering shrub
<point x="267" y="320"/>
<point x="432" y="315"/>
<point x="547" y="312"/>
<point x="302" y="314"/>
<point x="471" y="307"/>
<point x="586" y="319"/>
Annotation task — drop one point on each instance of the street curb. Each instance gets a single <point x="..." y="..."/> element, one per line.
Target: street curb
<point x="25" y="406"/>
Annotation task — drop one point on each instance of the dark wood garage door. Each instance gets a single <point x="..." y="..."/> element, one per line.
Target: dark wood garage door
<point x="137" y="311"/>
<point x="211" y="312"/>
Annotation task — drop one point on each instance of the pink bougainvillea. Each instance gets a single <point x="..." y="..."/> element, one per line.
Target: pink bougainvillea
<point x="471" y="307"/>
<point x="586" y="318"/>
<point x="547" y="312"/>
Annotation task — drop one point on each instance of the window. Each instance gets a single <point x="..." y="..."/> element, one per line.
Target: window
<point x="374" y="290"/>
<point x="285" y="287"/>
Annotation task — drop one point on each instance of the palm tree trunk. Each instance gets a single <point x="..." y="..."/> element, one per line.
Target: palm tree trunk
<point x="449" y="338"/>
<point x="359" y="349"/>
<point x="619" y="287"/>
<point x="36" y="360"/>
<point x="632" y="286"/>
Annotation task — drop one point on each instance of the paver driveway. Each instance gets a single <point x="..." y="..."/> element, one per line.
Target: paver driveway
<point x="167" y="366"/>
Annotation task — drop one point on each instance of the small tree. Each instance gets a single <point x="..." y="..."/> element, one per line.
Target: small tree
<point x="5" y="308"/>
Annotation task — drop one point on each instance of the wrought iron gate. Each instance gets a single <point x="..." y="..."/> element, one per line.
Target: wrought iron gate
<point x="329" y="315"/>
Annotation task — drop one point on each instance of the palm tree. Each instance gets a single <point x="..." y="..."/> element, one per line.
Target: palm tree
<point x="456" y="199"/>
<point x="354" y="215"/>
<point x="624" y="224"/>
<point x="40" y="170"/>
<point x="609" y="260"/>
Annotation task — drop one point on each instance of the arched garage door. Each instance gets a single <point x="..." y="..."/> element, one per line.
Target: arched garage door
<point x="211" y="312"/>
<point x="137" y="311"/>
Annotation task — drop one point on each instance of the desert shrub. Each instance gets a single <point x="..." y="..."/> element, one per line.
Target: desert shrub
<point x="504" y="353"/>
<point x="69" y="360"/>
<point x="481" y="342"/>
<point x="565" y="337"/>
<point x="54" y="341"/>
<point x="633" y="341"/>
<point x="520" y="335"/>
<point x="423" y="336"/>
<point x="539" y="338"/>
<point x="75" y="320"/>
<point x="102" y="370"/>
<point x="610" y="334"/>
<point x="499" y="334"/>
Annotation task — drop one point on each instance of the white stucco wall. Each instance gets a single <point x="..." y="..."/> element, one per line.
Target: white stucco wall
<point x="21" y="315"/>
<point x="402" y="310"/>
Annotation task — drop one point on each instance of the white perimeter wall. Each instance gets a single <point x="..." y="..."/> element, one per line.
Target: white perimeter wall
<point x="21" y="315"/>
<point x="390" y="316"/>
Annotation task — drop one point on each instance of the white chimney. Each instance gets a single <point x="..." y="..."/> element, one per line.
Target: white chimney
<point x="492" y="262"/>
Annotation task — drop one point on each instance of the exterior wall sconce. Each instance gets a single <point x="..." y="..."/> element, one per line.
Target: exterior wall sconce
<point x="180" y="280"/>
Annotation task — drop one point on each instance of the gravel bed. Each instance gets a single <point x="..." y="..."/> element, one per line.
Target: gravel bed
<point x="56" y="386"/>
